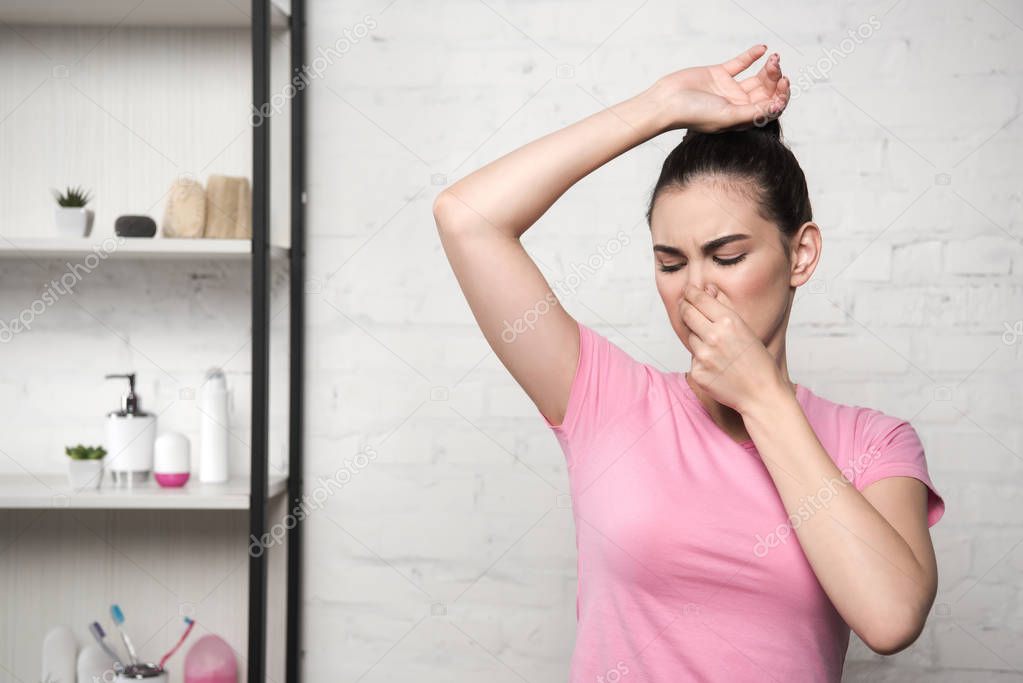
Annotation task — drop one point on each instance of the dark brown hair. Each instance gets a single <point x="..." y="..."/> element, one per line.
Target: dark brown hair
<point x="755" y="161"/>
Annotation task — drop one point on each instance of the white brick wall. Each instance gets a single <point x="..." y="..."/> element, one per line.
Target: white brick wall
<point x="455" y="560"/>
<point x="911" y="152"/>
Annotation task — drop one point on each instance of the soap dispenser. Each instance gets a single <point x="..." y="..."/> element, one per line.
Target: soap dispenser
<point x="130" y="435"/>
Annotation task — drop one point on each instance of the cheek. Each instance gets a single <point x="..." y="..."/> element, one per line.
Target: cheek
<point x="669" y="290"/>
<point x="755" y="296"/>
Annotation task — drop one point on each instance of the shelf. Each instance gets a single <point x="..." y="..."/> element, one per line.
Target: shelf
<point x="132" y="247"/>
<point x="166" y="13"/>
<point x="45" y="491"/>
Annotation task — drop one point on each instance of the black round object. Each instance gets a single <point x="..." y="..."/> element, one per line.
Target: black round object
<point x="134" y="226"/>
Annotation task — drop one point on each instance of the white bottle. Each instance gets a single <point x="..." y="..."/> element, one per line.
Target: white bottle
<point x="60" y="654"/>
<point x="129" y="437"/>
<point x="214" y="430"/>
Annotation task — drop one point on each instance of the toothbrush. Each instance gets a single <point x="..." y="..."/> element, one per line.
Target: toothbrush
<point x="97" y="632"/>
<point x="184" y="635"/>
<point x="118" y="616"/>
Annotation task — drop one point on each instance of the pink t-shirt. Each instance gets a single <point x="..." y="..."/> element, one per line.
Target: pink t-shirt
<point x="689" y="568"/>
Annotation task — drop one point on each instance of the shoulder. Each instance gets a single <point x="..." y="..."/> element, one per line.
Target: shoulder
<point x="858" y="426"/>
<point x="868" y="445"/>
<point x="596" y="349"/>
<point x="615" y="375"/>
<point x="609" y="383"/>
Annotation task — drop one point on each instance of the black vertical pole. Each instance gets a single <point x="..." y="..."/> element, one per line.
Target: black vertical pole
<point x="260" y="338"/>
<point x="297" y="340"/>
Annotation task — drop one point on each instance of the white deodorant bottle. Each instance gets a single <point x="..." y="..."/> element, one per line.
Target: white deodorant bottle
<point x="214" y="433"/>
<point x="60" y="654"/>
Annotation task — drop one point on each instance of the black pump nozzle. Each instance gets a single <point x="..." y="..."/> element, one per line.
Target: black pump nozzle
<point x="129" y="402"/>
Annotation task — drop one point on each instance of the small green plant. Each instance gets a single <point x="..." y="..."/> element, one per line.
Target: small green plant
<point x="73" y="197"/>
<point x="81" y="452"/>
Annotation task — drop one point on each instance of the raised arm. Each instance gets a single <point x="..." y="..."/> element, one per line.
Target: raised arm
<point x="481" y="217"/>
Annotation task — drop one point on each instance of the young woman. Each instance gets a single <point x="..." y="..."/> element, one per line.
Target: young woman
<point x="731" y="525"/>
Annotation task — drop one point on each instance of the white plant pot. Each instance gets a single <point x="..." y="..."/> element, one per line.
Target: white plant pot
<point x="85" y="474"/>
<point x="73" y="221"/>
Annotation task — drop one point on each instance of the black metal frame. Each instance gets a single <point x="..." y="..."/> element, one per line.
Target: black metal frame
<point x="296" y="343"/>
<point x="259" y="460"/>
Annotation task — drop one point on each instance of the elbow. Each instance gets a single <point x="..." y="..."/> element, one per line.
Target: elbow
<point x="889" y="646"/>
<point x="453" y="215"/>
<point x="446" y="207"/>
<point x="440" y="208"/>
<point x="896" y="632"/>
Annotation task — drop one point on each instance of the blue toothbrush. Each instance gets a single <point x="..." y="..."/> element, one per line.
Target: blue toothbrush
<point x="97" y="632"/>
<point x="118" y="616"/>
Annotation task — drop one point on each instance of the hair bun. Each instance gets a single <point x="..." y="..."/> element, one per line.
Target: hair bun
<point x="771" y="127"/>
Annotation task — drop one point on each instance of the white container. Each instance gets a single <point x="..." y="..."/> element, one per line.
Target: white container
<point x="60" y="654"/>
<point x="85" y="474"/>
<point x="129" y="444"/>
<point x="130" y="435"/>
<point x="172" y="459"/>
<point x="73" y="221"/>
<point x="214" y="428"/>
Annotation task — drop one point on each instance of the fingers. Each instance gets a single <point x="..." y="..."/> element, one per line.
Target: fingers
<point x="694" y="320"/>
<point x="767" y="78"/>
<point x="762" y="109"/>
<point x="697" y="347"/>
<point x="782" y="94"/>
<point x="742" y="62"/>
<point x="705" y="303"/>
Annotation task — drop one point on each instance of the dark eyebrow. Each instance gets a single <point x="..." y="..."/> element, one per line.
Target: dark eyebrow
<point x="707" y="248"/>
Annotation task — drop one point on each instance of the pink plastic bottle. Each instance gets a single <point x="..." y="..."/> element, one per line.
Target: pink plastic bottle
<point x="211" y="660"/>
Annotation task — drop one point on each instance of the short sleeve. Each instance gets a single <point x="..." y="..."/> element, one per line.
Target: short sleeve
<point x="891" y="447"/>
<point x="607" y="383"/>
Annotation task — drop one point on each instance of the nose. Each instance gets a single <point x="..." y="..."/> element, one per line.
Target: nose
<point x="696" y="278"/>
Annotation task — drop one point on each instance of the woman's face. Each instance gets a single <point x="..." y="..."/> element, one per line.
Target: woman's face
<point x="710" y="234"/>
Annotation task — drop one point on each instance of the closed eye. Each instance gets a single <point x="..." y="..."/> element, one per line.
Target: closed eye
<point x="719" y="261"/>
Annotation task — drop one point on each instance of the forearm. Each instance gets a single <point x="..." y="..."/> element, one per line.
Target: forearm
<point x="864" y="565"/>
<point x="514" y="191"/>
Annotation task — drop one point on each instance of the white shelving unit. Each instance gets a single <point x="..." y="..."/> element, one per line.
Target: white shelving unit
<point x="130" y="247"/>
<point x="51" y="491"/>
<point x="179" y="13"/>
<point x="135" y="94"/>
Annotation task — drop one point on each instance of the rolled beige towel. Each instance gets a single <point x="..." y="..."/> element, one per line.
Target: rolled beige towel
<point x="228" y="207"/>
<point x="184" y="214"/>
